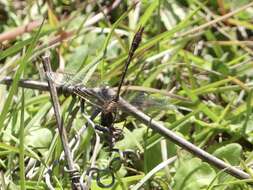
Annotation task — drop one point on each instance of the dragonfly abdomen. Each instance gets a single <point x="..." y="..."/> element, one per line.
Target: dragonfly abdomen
<point x="107" y="119"/>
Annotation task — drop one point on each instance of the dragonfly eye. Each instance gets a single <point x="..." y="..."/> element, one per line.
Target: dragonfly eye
<point x="104" y="90"/>
<point x="106" y="94"/>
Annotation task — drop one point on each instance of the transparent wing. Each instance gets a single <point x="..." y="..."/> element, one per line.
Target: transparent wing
<point x="150" y="101"/>
<point x="61" y="78"/>
<point x="145" y="101"/>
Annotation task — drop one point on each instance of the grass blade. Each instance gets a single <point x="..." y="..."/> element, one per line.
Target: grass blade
<point x="22" y="62"/>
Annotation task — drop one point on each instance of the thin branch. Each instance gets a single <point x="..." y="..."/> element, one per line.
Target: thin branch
<point x="12" y="34"/>
<point x="182" y="142"/>
<point x="61" y="129"/>
<point x="218" y="19"/>
<point x="158" y="127"/>
<point x="100" y="15"/>
<point x="231" y="42"/>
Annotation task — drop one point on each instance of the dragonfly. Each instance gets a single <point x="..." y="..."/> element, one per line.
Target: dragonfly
<point x="108" y="103"/>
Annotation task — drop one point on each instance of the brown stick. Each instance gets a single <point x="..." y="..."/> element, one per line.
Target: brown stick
<point x="222" y="9"/>
<point x="218" y="19"/>
<point x="10" y="35"/>
<point x="59" y="122"/>
<point x="182" y="142"/>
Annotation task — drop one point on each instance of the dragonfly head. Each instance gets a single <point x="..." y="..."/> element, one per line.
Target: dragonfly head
<point x="107" y="94"/>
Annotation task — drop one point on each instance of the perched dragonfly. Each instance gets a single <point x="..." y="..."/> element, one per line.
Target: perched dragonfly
<point x="141" y="97"/>
<point x="108" y="103"/>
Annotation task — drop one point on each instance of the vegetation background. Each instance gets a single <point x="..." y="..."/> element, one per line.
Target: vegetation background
<point x="186" y="50"/>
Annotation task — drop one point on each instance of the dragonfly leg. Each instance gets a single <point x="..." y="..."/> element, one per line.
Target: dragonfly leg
<point x="99" y="175"/>
<point x="118" y="134"/>
<point x="102" y="129"/>
<point x="82" y="102"/>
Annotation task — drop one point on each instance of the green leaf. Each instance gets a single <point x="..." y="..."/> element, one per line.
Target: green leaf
<point x="230" y="153"/>
<point x="149" y="11"/>
<point x="193" y="174"/>
<point x="39" y="138"/>
<point x="132" y="139"/>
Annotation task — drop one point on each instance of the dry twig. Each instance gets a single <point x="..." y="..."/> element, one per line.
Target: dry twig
<point x="10" y="35"/>
<point x="63" y="135"/>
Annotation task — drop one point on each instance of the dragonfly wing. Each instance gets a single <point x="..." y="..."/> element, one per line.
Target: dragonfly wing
<point x="150" y="102"/>
<point x="61" y="78"/>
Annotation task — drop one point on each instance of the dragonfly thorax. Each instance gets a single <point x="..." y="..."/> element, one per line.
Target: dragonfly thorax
<point x="109" y="106"/>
